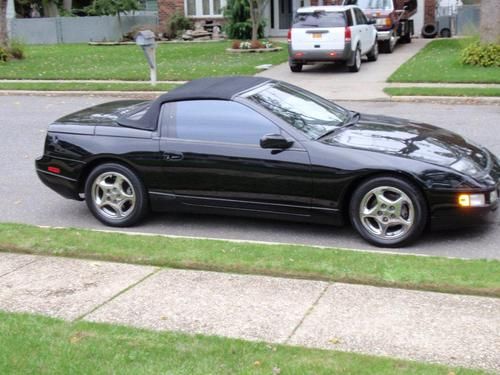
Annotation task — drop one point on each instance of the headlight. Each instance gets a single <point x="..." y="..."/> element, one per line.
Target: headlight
<point x="471" y="200"/>
<point x="383" y="22"/>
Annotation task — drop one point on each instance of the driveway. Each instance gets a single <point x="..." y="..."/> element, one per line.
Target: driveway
<point x="337" y="83"/>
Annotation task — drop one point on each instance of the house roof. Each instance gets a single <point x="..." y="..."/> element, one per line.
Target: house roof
<point x="221" y="88"/>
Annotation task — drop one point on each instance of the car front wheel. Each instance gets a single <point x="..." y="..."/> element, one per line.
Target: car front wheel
<point x="115" y="195"/>
<point x="388" y="211"/>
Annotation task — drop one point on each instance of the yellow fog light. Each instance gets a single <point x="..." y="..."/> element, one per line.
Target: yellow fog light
<point x="471" y="200"/>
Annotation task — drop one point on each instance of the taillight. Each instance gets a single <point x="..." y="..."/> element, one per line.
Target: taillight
<point x="289" y="37"/>
<point x="54" y="170"/>
<point x="347" y="35"/>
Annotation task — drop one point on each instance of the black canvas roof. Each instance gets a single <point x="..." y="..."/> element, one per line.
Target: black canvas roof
<point x="221" y="88"/>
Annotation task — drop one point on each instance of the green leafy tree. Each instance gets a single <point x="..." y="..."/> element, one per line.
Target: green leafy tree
<point x="257" y="8"/>
<point x="239" y="25"/>
<point x="112" y="8"/>
<point x="4" y="38"/>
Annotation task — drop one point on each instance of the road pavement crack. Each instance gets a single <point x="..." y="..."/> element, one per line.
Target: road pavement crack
<point x="308" y="312"/>
<point x="81" y="317"/>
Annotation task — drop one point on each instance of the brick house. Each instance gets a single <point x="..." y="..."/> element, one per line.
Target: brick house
<point x="278" y="13"/>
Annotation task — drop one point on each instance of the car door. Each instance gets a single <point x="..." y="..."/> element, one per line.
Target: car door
<point x="363" y="30"/>
<point x="212" y="158"/>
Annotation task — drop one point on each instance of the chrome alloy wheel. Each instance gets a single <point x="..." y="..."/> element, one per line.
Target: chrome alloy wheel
<point x="113" y="195"/>
<point x="387" y="212"/>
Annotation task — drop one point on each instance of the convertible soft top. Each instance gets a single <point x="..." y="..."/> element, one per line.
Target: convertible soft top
<point x="222" y="88"/>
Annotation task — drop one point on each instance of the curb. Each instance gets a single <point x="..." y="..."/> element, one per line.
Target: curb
<point x="485" y="100"/>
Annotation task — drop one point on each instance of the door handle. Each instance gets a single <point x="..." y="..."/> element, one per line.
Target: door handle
<point x="173" y="156"/>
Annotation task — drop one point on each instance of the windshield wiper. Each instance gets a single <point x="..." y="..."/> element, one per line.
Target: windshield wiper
<point x="352" y="120"/>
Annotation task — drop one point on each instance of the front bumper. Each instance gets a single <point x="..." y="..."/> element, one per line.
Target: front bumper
<point x="384" y="35"/>
<point x="445" y="213"/>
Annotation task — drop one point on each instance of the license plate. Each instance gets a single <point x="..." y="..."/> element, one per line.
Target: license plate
<point x="316" y="36"/>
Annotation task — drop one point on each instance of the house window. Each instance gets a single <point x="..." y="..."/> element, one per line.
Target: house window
<point x="204" y="8"/>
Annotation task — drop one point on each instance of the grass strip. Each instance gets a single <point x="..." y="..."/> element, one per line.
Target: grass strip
<point x="439" y="61"/>
<point x="475" y="277"/>
<point x="35" y="344"/>
<point x="175" y="61"/>
<point x="442" y="91"/>
<point x="85" y="86"/>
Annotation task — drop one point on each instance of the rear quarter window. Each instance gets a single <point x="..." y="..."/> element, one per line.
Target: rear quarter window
<point x="319" y="19"/>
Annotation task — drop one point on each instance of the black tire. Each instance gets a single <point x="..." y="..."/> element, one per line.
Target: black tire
<point x="373" y="54"/>
<point x="115" y="195"/>
<point x="356" y="63"/>
<point x="386" y="46"/>
<point x="411" y="210"/>
<point x="429" y="31"/>
<point x="405" y="39"/>
<point x="296" y="67"/>
<point x="445" y="33"/>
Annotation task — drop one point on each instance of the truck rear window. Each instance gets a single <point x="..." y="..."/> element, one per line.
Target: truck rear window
<point x="319" y="19"/>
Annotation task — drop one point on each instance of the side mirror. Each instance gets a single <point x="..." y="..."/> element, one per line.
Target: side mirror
<point x="372" y="21"/>
<point x="275" y="141"/>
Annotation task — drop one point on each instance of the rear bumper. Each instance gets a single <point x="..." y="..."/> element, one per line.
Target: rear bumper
<point x="384" y="35"/>
<point x="320" y="55"/>
<point x="65" y="186"/>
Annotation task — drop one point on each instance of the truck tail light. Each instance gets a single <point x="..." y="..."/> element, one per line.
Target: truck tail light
<point x="289" y="37"/>
<point x="347" y="34"/>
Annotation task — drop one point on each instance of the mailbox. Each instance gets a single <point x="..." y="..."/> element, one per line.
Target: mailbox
<point x="146" y="40"/>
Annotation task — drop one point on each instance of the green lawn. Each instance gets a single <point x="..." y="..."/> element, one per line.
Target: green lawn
<point x="85" y="86"/>
<point x="480" y="277"/>
<point x="439" y="61"/>
<point x="38" y="345"/>
<point x="441" y="91"/>
<point x="176" y="61"/>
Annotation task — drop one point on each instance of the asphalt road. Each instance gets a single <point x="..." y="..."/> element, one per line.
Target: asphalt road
<point x="24" y="199"/>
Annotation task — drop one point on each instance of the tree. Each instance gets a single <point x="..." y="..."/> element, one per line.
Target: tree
<point x="4" y="38"/>
<point x="257" y="8"/>
<point x="490" y="21"/>
<point x="111" y="8"/>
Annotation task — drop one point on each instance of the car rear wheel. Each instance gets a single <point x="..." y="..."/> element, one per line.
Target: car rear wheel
<point x="373" y="54"/>
<point x="115" y="195"/>
<point x="357" y="61"/>
<point x="388" y="211"/>
<point x="295" y="67"/>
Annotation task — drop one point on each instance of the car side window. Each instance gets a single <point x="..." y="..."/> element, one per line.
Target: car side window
<point x="216" y="121"/>
<point x="360" y="18"/>
<point x="350" y="21"/>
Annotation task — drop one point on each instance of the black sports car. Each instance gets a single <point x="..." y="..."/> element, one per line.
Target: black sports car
<point x="259" y="147"/>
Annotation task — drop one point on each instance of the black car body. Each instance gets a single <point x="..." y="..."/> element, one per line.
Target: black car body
<point x="211" y="146"/>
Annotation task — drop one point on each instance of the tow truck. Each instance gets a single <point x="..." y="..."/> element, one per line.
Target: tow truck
<point x="392" y="20"/>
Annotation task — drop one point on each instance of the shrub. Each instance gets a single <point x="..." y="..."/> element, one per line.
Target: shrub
<point x="4" y="56"/>
<point x="238" y="25"/>
<point x="256" y="44"/>
<point x="481" y="54"/>
<point x="236" y="44"/>
<point x="177" y="25"/>
<point x="16" y="50"/>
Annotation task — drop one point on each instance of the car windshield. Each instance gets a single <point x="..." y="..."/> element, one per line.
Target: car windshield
<point x="372" y="4"/>
<point x="309" y="113"/>
<point x="319" y="19"/>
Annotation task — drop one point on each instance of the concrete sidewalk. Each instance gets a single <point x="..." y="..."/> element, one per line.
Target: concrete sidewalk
<point x="334" y="82"/>
<point x="449" y="329"/>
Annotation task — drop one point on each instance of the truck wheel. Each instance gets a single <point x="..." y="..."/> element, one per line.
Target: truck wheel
<point x="387" y="46"/>
<point x="406" y="38"/>
<point x="429" y="31"/>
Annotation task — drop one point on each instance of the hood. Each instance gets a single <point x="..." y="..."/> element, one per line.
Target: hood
<point x="104" y="114"/>
<point x="416" y="141"/>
